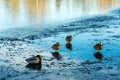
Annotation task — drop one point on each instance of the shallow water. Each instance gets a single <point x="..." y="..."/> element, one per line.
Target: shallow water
<point x="17" y="13"/>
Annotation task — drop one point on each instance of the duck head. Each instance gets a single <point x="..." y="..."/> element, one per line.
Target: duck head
<point x="101" y="43"/>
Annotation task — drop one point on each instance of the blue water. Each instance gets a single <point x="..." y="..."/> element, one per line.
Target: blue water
<point x="36" y="13"/>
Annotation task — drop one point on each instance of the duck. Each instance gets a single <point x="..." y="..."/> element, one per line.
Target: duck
<point x="34" y="63"/>
<point x="98" y="46"/>
<point x="69" y="46"/>
<point x="56" y="55"/>
<point x="99" y="56"/>
<point x="56" y="46"/>
<point x="68" y="38"/>
<point x="34" y="60"/>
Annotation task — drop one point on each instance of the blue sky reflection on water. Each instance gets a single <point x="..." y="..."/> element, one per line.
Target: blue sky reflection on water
<point x="16" y="13"/>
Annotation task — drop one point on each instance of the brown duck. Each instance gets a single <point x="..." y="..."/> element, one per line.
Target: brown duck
<point x="56" y="46"/>
<point x="68" y="38"/>
<point x="99" y="56"/>
<point x="98" y="46"/>
<point x="34" y="60"/>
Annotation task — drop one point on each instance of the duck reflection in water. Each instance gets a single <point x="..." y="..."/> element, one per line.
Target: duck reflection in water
<point x="56" y="55"/>
<point x="34" y="62"/>
<point x="69" y="46"/>
<point x="99" y="56"/>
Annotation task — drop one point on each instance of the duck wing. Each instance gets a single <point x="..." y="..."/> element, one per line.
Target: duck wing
<point x="33" y="60"/>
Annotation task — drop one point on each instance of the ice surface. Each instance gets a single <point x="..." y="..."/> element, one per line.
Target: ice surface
<point x="18" y="44"/>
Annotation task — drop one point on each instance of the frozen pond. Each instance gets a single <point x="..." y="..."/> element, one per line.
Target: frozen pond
<point x="31" y="27"/>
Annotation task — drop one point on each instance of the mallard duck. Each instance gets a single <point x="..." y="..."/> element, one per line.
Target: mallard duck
<point x="68" y="38"/>
<point x="56" y="55"/>
<point x="69" y="46"/>
<point x="34" y="60"/>
<point x="56" y="46"/>
<point x="99" y="56"/>
<point x="98" y="46"/>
